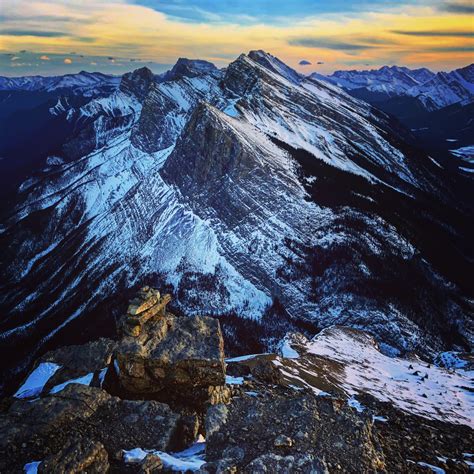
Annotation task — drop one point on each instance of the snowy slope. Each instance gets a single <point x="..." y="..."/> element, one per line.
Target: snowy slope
<point x="343" y="359"/>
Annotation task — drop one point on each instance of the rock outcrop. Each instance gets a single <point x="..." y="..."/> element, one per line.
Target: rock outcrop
<point x="137" y="83"/>
<point x="165" y="386"/>
<point x="166" y="357"/>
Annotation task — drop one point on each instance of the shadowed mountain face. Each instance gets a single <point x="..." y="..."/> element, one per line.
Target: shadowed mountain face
<point x="243" y="190"/>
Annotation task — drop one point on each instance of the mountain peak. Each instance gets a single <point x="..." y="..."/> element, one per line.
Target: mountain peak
<point x="185" y="67"/>
<point x="274" y="64"/>
<point x="137" y="82"/>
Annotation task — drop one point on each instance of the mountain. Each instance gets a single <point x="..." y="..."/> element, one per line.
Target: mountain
<point x="433" y="91"/>
<point x="390" y="80"/>
<point x="84" y="83"/>
<point x="270" y="200"/>
<point x="185" y="67"/>
<point x="437" y="108"/>
<point x="33" y="107"/>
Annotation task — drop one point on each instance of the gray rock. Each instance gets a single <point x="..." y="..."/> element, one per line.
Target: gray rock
<point x="216" y="416"/>
<point x="272" y="463"/>
<point x="77" y="456"/>
<point x="326" y="429"/>
<point x="40" y="428"/>
<point x="283" y="441"/>
<point x="151" y="464"/>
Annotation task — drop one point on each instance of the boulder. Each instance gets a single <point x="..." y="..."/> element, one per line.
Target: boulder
<point x="43" y="427"/>
<point x="151" y="464"/>
<point x="79" y="360"/>
<point x="77" y="456"/>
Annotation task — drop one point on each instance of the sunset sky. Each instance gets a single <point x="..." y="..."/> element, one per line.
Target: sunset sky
<point x="58" y="36"/>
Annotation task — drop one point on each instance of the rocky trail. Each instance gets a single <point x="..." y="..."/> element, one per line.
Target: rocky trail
<point x="161" y="397"/>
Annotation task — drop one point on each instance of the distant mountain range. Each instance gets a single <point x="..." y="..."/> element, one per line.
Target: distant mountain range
<point x="437" y="107"/>
<point x="271" y="200"/>
<point x="433" y="90"/>
<point x="85" y="83"/>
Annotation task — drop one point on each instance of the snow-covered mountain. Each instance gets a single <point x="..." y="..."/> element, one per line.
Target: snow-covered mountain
<point x="251" y="191"/>
<point x="434" y="91"/>
<point x="85" y="83"/>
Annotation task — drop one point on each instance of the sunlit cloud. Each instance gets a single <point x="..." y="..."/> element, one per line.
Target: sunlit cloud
<point x="435" y="34"/>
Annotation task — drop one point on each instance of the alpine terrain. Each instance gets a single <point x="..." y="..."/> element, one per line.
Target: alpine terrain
<point x="269" y="200"/>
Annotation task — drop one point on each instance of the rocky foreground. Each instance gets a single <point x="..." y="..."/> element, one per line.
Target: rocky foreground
<point x="161" y="397"/>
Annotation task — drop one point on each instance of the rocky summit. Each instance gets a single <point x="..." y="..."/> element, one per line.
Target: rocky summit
<point x="160" y="397"/>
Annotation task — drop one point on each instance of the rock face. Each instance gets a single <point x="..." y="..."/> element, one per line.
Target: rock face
<point x="82" y="456"/>
<point x="185" y="67"/>
<point x="137" y="83"/>
<point x="168" y="357"/>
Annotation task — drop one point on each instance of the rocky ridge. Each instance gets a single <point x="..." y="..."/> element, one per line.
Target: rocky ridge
<point x="160" y="398"/>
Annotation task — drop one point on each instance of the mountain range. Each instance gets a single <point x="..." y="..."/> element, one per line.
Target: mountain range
<point x="265" y="198"/>
<point x="436" y="107"/>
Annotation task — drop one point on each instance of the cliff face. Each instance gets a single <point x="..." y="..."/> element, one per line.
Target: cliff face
<point x="160" y="397"/>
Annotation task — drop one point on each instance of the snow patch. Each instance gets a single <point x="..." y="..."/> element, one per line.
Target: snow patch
<point x="230" y="380"/>
<point x="36" y="381"/>
<point x="31" y="467"/>
<point x="190" y="459"/>
<point x="84" y="380"/>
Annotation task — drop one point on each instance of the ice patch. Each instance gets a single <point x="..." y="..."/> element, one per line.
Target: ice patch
<point x="353" y="403"/>
<point x="435" y="469"/>
<point x="245" y="357"/>
<point x="134" y="455"/>
<point x="36" y="381"/>
<point x="287" y="351"/>
<point x="102" y="375"/>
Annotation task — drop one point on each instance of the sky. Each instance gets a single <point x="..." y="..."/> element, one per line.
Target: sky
<point x="50" y="37"/>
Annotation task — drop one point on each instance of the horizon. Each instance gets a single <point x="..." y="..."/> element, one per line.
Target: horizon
<point x="158" y="68"/>
<point x="55" y="37"/>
